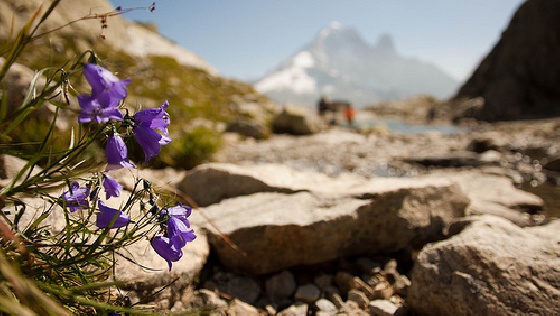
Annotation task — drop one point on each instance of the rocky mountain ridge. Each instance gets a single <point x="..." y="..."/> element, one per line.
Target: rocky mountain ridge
<point x="339" y="63"/>
<point x="519" y="78"/>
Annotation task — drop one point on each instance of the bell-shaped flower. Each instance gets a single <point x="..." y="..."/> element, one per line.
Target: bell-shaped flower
<point x="163" y="247"/>
<point x="179" y="232"/>
<point x="107" y="91"/>
<point x="111" y="186"/>
<point x="147" y="123"/>
<point x="108" y="215"/>
<point x="117" y="154"/>
<point x="178" y="225"/>
<point x="76" y="198"/>
<point x="104" y="82"/>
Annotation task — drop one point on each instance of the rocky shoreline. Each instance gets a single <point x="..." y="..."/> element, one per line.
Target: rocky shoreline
<point x="488" y="164"/>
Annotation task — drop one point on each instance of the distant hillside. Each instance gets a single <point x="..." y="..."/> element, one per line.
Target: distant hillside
<point x="520" y="77"/>
<point x="120" y="33"/>
<point x="338" y="63"/>
<point x="160" y="70"/>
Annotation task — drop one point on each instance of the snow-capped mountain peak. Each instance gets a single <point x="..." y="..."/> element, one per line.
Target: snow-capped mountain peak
<point x="339" y="63"/>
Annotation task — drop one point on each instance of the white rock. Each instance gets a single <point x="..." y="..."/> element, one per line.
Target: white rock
<point x="382" y="308"/>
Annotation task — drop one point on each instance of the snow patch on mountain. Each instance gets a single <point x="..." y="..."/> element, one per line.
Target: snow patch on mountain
<point x="293" y="78"/>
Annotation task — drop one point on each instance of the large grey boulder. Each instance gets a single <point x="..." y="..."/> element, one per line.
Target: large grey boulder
<point x="213" y="182"/>
<point x="290" y="122"/>
<point x="269" y="231"/>
<point x="492" y="267"/>
<point x="247" y="128"/>
<point x="489" y="193"/>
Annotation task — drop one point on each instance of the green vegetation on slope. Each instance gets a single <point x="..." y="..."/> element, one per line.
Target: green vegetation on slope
<point x="198" y="101"/>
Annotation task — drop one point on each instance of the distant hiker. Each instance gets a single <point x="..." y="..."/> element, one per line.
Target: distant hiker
<point x="349" y="115"/>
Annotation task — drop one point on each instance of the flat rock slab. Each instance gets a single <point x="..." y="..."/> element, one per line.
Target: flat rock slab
<point x="454" y="159"/>
<point x="494" y="195"/>
<point x="210" y="183"/>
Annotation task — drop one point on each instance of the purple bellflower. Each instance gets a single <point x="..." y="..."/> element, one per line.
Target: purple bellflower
<point x="146" y="122"/>
<point x="163" y="247"/>
<point x="107" y="91"/>
<point x="179" y="232"/>
<point x="178" y="225"/>
<point x="98" y="109"/>
<point x="117" y="154"/>
<point x="107" y="214"/>
<point x="111" y="186"/>
<point x="76" y="197"/>
<point x="102" y="81"/>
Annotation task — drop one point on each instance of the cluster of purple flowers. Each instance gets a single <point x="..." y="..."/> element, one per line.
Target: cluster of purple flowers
<point x="102" y="105"/>
<point x="149" y="127"/>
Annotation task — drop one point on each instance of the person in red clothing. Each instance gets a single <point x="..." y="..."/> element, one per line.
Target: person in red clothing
<point x="349" y="115"/>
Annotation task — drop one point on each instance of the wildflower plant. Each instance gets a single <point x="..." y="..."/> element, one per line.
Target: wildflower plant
<point x="70" y="267"/>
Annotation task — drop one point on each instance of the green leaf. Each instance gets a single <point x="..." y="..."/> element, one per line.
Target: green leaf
<point x="96" y="286"/>
<point x="30" y="94"/>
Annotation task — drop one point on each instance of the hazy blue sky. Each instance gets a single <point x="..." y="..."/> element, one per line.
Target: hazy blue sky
<point x="244" y="39"/>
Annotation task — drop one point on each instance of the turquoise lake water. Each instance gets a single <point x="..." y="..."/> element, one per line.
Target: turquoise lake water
<point x="401" y="127"/>
<point x="405" y="128"/>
